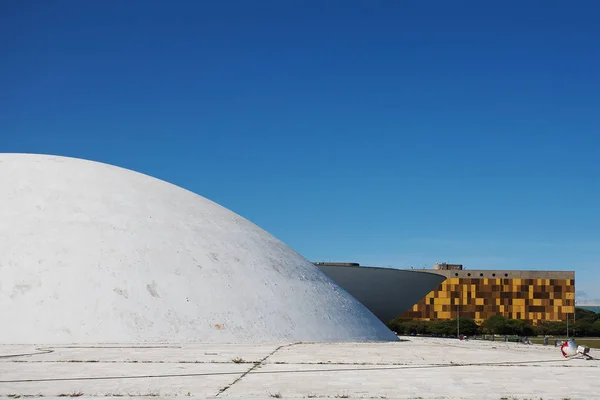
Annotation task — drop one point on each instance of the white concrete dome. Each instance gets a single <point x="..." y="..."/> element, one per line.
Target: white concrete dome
<point x="93" y="253"/>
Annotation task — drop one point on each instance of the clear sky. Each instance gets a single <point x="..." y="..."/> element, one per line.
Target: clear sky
<point x="391" y="133"/>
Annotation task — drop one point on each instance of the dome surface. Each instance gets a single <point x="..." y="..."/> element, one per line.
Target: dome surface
<point x="93" y="253"/>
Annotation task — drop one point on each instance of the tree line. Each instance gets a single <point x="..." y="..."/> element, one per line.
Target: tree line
<point x="585" y="323"/>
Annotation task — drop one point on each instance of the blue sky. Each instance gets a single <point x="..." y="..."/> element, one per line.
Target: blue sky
<point x="383" y="132"/>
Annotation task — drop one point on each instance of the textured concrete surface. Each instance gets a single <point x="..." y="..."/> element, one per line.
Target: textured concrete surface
<point x="94" y="253"/>
<point x="419" y="368"/>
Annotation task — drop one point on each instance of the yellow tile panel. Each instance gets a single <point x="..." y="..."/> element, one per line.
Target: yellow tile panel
<point x="518" y="302"/>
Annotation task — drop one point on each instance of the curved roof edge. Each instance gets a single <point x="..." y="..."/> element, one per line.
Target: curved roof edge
<point x="387" y="292"/>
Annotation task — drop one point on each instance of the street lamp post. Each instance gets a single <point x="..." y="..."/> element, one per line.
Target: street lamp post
<point x="458" y="321"/>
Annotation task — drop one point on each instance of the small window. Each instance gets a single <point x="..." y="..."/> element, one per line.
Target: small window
<point x="494" y="274"/>
<point x="469" y="274"/>
<point x="456" y="274"/>
<point x="480" y="274"/>
<point x="506" y="275"/>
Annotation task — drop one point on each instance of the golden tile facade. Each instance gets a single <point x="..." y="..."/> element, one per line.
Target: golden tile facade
<point x="529" y="299"/>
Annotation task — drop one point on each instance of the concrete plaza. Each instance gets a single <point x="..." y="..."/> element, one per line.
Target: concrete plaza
<point x="415" y="368"/>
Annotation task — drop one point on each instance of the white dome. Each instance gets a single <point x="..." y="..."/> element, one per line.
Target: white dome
<point x="93" y="253"/>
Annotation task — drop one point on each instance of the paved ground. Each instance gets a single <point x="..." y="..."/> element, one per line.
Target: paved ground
<point x="420" y="368"/>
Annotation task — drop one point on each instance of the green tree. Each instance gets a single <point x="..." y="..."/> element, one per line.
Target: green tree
<point x="583" y="328"/>
<point x="495" y="324"/>
<point x="518" y="327"/>
<point x="468" y="327"/>
<point x="400" y="326"/>
<point x="450" y="327"/>
<point x="407" y="326"/>
<point x="553" y="328"/>
<point x="418" y="327"/>
<point x="500" y="325"/>
<point x="581" y="314"/>
<point x="594" y="329"/>
<point x="438" y="327"/>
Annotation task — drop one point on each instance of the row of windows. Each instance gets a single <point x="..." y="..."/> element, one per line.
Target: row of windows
<point x="559" y="301"/>
<point x="480" y="317"/>
<point x="512" y="281"/>
<point x="492" y="308"/>
<point x="481" y="274"/>
<point x="546" y="293"/>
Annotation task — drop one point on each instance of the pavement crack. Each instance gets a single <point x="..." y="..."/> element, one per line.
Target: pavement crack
<point x="38" y="349"/>
<point x="256" y="365"/>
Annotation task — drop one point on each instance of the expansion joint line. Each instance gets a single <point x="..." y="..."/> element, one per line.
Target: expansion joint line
<point x="255" y="366"/>
<point x="39" y="350"/>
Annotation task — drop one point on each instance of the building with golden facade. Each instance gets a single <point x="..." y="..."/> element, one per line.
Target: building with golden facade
<point x="533" y="296"/>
